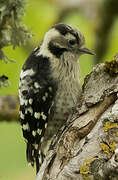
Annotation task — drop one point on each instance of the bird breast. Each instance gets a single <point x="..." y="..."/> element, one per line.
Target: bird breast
<point x="68" y="91"/>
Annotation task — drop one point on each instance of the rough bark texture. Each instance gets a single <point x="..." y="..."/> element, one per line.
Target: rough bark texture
<point x="86" y="147"/>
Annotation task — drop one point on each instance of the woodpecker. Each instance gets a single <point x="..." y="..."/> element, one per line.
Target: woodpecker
<point x="50" y="86"/>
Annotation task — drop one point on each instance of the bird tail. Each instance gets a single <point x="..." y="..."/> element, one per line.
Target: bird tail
<point x="34" y="156"/>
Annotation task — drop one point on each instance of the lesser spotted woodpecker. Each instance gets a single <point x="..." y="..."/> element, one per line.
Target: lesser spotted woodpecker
<point x="50" y="86"/>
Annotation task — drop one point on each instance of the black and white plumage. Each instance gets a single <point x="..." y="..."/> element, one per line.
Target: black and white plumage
<point x="50" y="86"/>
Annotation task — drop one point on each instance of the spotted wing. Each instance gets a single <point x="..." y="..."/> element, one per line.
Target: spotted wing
<point x="36" y="94"/>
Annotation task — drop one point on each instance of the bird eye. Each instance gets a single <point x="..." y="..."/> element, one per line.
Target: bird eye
<point x="72" y="42"/>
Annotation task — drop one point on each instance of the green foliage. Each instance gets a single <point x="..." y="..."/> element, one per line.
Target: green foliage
<point x="39" y="16"/>
<point x="12" y="31"/>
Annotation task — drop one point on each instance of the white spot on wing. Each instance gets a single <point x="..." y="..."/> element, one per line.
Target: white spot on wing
<point x="46" y="94"/>
<point x="36" y="85"/>
<point x="49" y="111"/>
<point x="43" y="116"/>
<point x="39" y="152"/>
<point x="33" y="153"/>
<point x="22" y="115"/>
<point x="42" y="139"/>
<point x="40" y="160"/>
<point x="25" y="88"/>
<point x="44" y="98"/>
<point x="50" y="89"/>
<point x="35" y="146"/>
<point x="29" y="72"/>
<point x="26" y="102"/>
<point x="37" y="115"/>
<point x="22" y="101"/>
<point x="46" y="125"/>
<point x="25" y="126"/>
<point x="39" y="131"/>
<point x="30" y="101"/>
<point x="34" y="133"/>
<point x="29" y="110"/>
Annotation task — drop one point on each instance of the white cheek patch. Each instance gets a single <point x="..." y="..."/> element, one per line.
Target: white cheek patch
<point x="52" y="33"/>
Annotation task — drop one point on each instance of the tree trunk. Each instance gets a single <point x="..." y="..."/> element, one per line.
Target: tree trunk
<point x="86" y="147"/>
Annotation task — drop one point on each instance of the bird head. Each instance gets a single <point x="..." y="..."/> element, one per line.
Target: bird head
<point x="63" y="38"/>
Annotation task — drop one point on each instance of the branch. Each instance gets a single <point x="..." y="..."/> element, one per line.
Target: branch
<point x="9" y="108"/>
<point x="86" y="148"/>
<point x="3" y="81"/>
<point x="12" y="30"/>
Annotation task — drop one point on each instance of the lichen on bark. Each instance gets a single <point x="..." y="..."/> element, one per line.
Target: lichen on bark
<point x="87" y="148"/>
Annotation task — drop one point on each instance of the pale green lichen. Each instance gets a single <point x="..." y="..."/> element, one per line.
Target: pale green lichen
<point x="112" y="66"/>
<point x="12" y="31"/>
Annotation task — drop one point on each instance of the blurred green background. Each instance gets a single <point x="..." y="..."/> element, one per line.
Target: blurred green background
<point x="40" y="15"/>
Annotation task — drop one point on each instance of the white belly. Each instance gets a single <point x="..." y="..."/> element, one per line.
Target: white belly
<point x="66" y="99"/>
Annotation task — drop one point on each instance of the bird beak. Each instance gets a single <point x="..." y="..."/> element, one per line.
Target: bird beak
<point x="86" y="51"/>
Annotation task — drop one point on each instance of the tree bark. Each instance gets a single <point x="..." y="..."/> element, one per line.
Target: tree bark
<point x="86" y="147"/>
